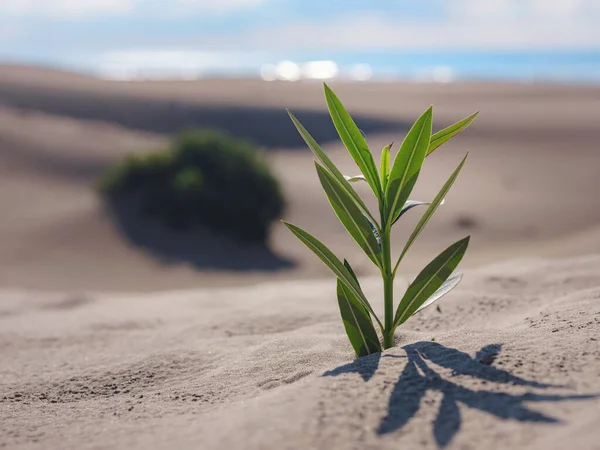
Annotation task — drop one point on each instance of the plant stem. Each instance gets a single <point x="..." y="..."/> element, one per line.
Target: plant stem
<point x="388" y="290"/>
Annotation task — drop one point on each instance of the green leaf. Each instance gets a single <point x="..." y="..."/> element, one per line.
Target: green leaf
<point x="448" y="285"/>
<point x="384" y="167"/>
<point x="353" y="140"/>
<point x="443" y="136"/>
<point x="334" y="264"/>
<point x="407" y="164"/>
<point x="355" y="178"/>
<point x="350" y="215"/>
<point x="437" y="201"/>
<point x="410" y="204"/>
<point x="324" y="159"/>
<point x="358" y="325"/>
<point x="351" y="271"/>
<point x="429" y="280"/>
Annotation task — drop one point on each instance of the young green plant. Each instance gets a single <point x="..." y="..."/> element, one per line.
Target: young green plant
<point x="392" y="185"/>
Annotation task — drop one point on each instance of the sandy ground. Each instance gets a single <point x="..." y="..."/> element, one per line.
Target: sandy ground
<point x="119" y="335"/>
<point x="515" y="364"/>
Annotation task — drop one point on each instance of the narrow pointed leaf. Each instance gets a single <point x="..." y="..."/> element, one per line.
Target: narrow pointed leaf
<point x="407" y="164"/>
<point x="327" y="163"/>
<point x="351" y="271"/>
<point x="353" y="140"/>
<point x="410" y="204"/>
<point x="448" y="285"/>
<point x="437" y="201"/>
<point x="384" y="167"/>
<point x="333" y="262"/>
<point x="443" y="136"/>
<point x="326" y="255"/>
<point x="357" y="225"/>
<point x="358" y="325"/>
<point x="355" y="178"/>
<point x="430" y="280"/>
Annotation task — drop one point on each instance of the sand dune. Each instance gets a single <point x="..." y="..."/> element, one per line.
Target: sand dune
<point x="529" y="188"/>
<point x="514" y="364"/>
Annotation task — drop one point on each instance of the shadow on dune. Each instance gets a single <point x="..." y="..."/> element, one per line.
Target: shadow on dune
<point x="265" y="126"/>
<point x="417" y="378"/>
<point x="199" y="248"/>
<point x="40" y="161"/>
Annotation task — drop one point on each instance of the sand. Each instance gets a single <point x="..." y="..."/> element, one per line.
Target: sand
<point x="119" y="335"/>
<point x="530" y="186"/>
<point x="513" y="360"/>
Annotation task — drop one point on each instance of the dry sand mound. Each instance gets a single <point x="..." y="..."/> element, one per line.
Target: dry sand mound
<point x="515" y="364"/>
<point x="530" y="186"/>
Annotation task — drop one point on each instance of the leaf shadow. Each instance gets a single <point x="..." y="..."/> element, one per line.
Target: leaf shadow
<point x="365" y="367"/>
<point x="417" y="378"/>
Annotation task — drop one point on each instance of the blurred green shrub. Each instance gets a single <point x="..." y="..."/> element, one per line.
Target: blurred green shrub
<point x="205" y="179"/>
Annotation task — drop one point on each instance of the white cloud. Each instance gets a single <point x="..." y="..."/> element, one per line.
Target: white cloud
<point x="468" y="25"/>
<point x="218" y="6"/>
<point x="72" y="9"/>
<point x="65" y="8"/>
<point x="475" y="9"/>
<point x="556" y="10"/>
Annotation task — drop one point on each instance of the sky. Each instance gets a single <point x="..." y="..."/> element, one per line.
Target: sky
<point x="230" y="35"/>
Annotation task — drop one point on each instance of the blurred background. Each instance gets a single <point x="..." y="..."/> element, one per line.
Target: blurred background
<point x="140" y="140"/>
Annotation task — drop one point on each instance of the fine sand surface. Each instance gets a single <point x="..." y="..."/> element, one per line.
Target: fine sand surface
<point x="515" y="364"/>
<point x="115" y="334"/>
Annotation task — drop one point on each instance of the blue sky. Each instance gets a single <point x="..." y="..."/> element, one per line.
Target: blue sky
<point x="239" y="33"/>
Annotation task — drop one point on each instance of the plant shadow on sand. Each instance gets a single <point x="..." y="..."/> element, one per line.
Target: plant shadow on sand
<point x="200" y="248"/>
<point x="417" y="378"/>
